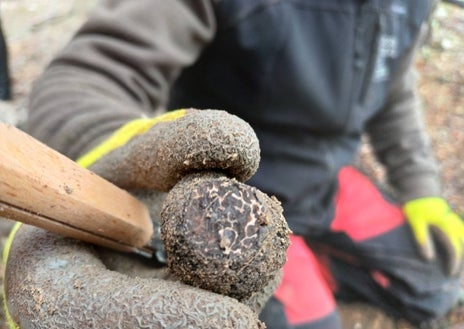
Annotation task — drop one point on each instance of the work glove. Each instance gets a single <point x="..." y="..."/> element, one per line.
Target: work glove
<point x="56" y="282"/>
<point x="433" y="221"/>
<point x="143" y="154"/>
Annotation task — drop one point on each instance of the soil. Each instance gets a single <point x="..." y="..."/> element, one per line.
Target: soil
<point x="36" y="30"/>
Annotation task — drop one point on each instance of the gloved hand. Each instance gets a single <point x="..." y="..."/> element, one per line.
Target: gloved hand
<point x="154" y="154"/>
<point x="433" y="221"/>
<point x="62" y="283"/>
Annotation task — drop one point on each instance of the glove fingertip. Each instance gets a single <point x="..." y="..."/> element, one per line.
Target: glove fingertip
<point x="427" y="250"/>
<point x="454" y="267"/>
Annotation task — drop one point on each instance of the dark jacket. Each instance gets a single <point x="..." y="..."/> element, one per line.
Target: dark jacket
<point x="310" y="76"/>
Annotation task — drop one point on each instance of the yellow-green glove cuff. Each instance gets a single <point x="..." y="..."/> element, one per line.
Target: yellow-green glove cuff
<point x="124" y="134"/>
<point x="6" y="251"/>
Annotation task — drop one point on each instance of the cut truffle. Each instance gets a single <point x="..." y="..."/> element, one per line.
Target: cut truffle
<point x="222" y="235"/>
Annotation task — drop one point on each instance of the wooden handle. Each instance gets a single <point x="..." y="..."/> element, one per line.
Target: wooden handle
<point x="42" y="184"/>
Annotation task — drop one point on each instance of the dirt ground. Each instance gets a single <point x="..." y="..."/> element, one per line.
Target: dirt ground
<point x="36" y="30"/>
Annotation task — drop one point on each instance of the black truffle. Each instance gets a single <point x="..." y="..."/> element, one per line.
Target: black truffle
<point x="223" y="235"/>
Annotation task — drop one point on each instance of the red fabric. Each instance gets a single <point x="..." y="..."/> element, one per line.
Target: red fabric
<point x="304" y="291"/>
<point x="381" y="279"/>
<point x="377" y="216"/>
<point x="323" y="262"/>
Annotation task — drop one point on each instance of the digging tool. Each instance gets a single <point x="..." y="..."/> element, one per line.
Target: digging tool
<point x="41" y="187"/>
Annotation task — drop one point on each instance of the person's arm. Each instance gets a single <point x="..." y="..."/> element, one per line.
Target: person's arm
<point x="401" y="143"/>
<point x="400" y="139"/>
<point x="119" y="66"/>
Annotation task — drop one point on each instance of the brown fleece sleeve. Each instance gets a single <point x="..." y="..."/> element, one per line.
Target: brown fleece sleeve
<point x="119" y="66"/>
<point x="400" y="140"/>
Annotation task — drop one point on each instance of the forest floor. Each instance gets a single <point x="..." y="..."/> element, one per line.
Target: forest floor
<point x="37" y="30"/>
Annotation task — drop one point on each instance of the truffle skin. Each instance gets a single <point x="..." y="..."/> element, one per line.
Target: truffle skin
<point x="200" y="140"/>
<point x="222" y="235"/>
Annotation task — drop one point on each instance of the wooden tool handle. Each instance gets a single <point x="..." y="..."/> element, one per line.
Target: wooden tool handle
<point x="43" y="184"/>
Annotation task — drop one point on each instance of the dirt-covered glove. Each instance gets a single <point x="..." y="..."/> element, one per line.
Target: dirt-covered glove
<point x="433" y="221"/>
<point x="156" y="153"/>
<point x="56" y="282"/>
